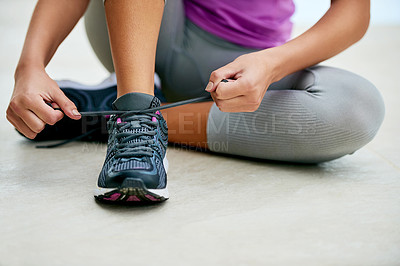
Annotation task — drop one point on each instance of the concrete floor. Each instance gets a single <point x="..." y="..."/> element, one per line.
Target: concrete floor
<point x="222" y="211"/>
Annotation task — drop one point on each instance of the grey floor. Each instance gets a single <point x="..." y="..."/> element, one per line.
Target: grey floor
<point x="222" y="211"/>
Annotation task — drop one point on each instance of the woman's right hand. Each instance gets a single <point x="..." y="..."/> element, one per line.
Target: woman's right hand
<point x="28" y="110"/>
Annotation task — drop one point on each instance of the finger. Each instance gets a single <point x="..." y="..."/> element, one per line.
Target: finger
<point x="238" y="104"/>
<point x="239" y="109"/>
<point x="20" y="125"/>
<point x="225" y="72"/>
<point x="46" y="113"/>
<point x="55" y="105"/>
<point x="32" y="121"/>
<point x="229" y="90"/>
<point x="29" y="118"/>
<point x="233" y="105"/>
<point x="66" y="104"/>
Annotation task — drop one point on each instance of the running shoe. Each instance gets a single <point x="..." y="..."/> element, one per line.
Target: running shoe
<point x="135" y="167"/>
<point x="87" y="98"/>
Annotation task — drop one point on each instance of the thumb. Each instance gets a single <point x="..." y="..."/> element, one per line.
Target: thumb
<point x="66" y="105"/>
<point x="228" y="71"/>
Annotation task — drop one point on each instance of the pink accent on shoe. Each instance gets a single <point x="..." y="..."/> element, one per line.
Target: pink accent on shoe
<point x="113" y="197"/>
<point x="119" y="120"/>
<point x="150" y="197"/>
<point x="158" y="113"/>
<point x="154" y="119"/>
<point x="107" y="116"/>
<point x="133" y="198"/>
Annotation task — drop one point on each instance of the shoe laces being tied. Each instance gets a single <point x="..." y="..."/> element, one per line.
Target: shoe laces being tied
<point x="135" y="134"/>
<point x="124" y="118"/>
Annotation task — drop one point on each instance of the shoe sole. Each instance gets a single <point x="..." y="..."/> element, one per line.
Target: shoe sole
<point x="133" y="191"/>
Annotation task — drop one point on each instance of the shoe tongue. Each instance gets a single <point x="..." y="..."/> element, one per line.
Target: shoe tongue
<point x="135" y="101"/>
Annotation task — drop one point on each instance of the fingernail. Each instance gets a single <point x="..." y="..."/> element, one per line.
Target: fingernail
<point x="210" y="85"/>
<point x="75" y="112"/>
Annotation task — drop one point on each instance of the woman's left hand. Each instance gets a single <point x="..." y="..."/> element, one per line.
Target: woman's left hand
<point x="249" y="77"/>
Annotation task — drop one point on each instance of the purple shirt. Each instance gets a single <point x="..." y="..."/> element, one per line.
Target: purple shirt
<point x="249" y="23"/>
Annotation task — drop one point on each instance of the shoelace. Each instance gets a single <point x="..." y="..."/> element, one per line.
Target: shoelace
<point x="124" y="113"/>
<point x="133" y="142"/>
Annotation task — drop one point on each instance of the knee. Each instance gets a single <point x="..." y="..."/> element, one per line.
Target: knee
<point x="357" y="113"/>
<point x="370" y="112"/>
<point x="363" y="110"/>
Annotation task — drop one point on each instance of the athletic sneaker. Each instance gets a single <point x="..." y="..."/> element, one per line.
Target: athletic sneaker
<point x="135" y="167"/>
<point x="87" y="98"/>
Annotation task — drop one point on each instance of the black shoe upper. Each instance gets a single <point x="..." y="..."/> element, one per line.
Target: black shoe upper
<point x="137" y="144"/>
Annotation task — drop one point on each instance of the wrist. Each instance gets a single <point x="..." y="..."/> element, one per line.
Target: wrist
<point x="28" y="65"/>
<point x="275" y="61"/>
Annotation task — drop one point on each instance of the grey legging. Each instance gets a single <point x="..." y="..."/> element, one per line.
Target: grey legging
<point x="314" y="115"/>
